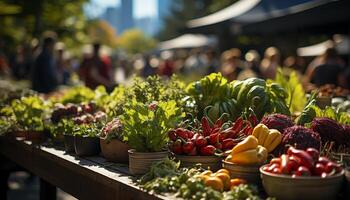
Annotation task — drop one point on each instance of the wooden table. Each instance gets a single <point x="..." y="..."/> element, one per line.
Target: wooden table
<point x="83" y="178"/>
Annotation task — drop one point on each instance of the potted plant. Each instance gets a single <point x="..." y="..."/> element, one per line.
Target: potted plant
<point x="111" y="141"/>
<point x="145" y="128"/>
<point x="86" y="142"/>
<point x="29" y="115"/>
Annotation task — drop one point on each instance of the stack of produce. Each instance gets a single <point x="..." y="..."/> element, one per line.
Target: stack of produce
<point x="209" y="140"/>
<point x="213" y="94"/>
<point x="303" y="163"/>
<point x="300" y="137"/>
<point x="248" y="152"/>
<point x="277" y="121"/>
<point x="220" y="180"/>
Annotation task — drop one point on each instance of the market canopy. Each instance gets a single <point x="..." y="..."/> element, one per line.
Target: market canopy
<point x="243" y="11"/>
<point x="228" y="13"/>
<point x="188" y="41"/>
<point x="340" y="42"/>
<point x="328" y="16"/>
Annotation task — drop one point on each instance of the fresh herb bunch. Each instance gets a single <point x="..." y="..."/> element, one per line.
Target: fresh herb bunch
<point x="29" y="113"/>
<point x="87" y="130"/>
<point x="146" y="125"/>
<point x="153" y="88"/>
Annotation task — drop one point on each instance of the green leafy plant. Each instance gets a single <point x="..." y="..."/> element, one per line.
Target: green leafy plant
<point x="296" y="99"/>
<point x="76" y="95"/>
<point x="146" y="125"/>
<point x="87" y="130"/>
<point x="29" y="113"/>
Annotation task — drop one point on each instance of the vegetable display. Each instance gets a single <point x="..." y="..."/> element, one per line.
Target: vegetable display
<point x="303" y="163"/>
<point x="244" y="123"/>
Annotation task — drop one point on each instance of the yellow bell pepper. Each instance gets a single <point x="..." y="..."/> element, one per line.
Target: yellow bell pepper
<point x="273" y="140"/>
<point x="250" y="157"/>
<point x="261" y="132"/>
<point x="248" y="143"/>
<point x="269" y="138"/>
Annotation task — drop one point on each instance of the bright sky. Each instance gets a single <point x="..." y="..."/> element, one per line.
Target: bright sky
<point x="141" y="8"/>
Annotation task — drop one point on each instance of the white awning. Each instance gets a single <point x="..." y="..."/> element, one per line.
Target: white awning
<point x="340" y="42"/>
<point x="228" y="13"/>
<point x="188" y="41"/>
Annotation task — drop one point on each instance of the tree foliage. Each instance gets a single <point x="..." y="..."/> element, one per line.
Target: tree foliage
<point x="25" y="20"/>
<point x="102" y="32"/>
<point x="134" y="41"/>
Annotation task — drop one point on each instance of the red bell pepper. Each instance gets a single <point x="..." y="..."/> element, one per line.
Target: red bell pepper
<point x="201" y="141"/>
<point x="218" y="146"/>
<point x="303" y="171"/>
<point x="303" y="157"/>
<point x="214" y="138"/>
<point x="208" y="150"/>
<point x="188" y="147"/>
<point x="313" y="153"/>
<point x="176" y="147"/>
<point x="253" y="120"/>
<point x="323" y="160"/>
<point x="172" y="135"/>
<point x="228" y="143"/>
<point x="182" y="133"/>
<point x="319" y="169"/>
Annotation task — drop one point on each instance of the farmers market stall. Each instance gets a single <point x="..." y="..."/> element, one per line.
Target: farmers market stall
<point x="162" y="139"/>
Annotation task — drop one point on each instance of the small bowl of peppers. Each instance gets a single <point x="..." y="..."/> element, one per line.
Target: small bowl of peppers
<point x="302" y="174"/>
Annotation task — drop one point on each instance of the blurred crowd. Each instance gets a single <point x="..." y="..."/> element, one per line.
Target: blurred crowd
<point x="48" y="64"/>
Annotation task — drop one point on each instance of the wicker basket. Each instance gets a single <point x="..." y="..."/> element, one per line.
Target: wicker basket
<point x="140" y="163"/>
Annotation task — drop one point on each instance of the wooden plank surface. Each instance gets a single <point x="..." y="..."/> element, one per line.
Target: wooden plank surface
<point x="83" y="178"/>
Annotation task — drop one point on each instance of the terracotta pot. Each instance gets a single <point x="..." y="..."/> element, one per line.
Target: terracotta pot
<point x="86" y="146"/>
<point x="69" y="143"/>
<point x="114" y="150"/>
<point x="212" y="162"/>
<point x="140" y="163"/>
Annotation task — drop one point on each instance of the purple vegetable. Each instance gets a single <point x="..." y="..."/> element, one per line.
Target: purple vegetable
<point x="277" y="121"/>
<point x="301" y="138"/>
<point x="329" y="130"/>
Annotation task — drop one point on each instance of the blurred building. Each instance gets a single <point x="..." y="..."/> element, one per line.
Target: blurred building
<point x="112" y="16"/>
<point x="164" y="7"/>
<point x="127" y="17"/>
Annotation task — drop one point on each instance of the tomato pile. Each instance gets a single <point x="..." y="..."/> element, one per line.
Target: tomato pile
<point x="212" y="139"/>
<point x="303" y="163"/>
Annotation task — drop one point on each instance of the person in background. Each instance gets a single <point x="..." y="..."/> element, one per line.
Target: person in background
<point x="329" y="69"/>
<point x="270" y="63"/>
<point x="44" y="75"/>
<point x="95" y="70"/>
<point x="148" y="69"/>
<point x="211" y="62"/>
<point x="167" y="66"/>
<point x="231" y="64"/>
<point x="4" y="67"/>
<point x="253" y="59"/>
